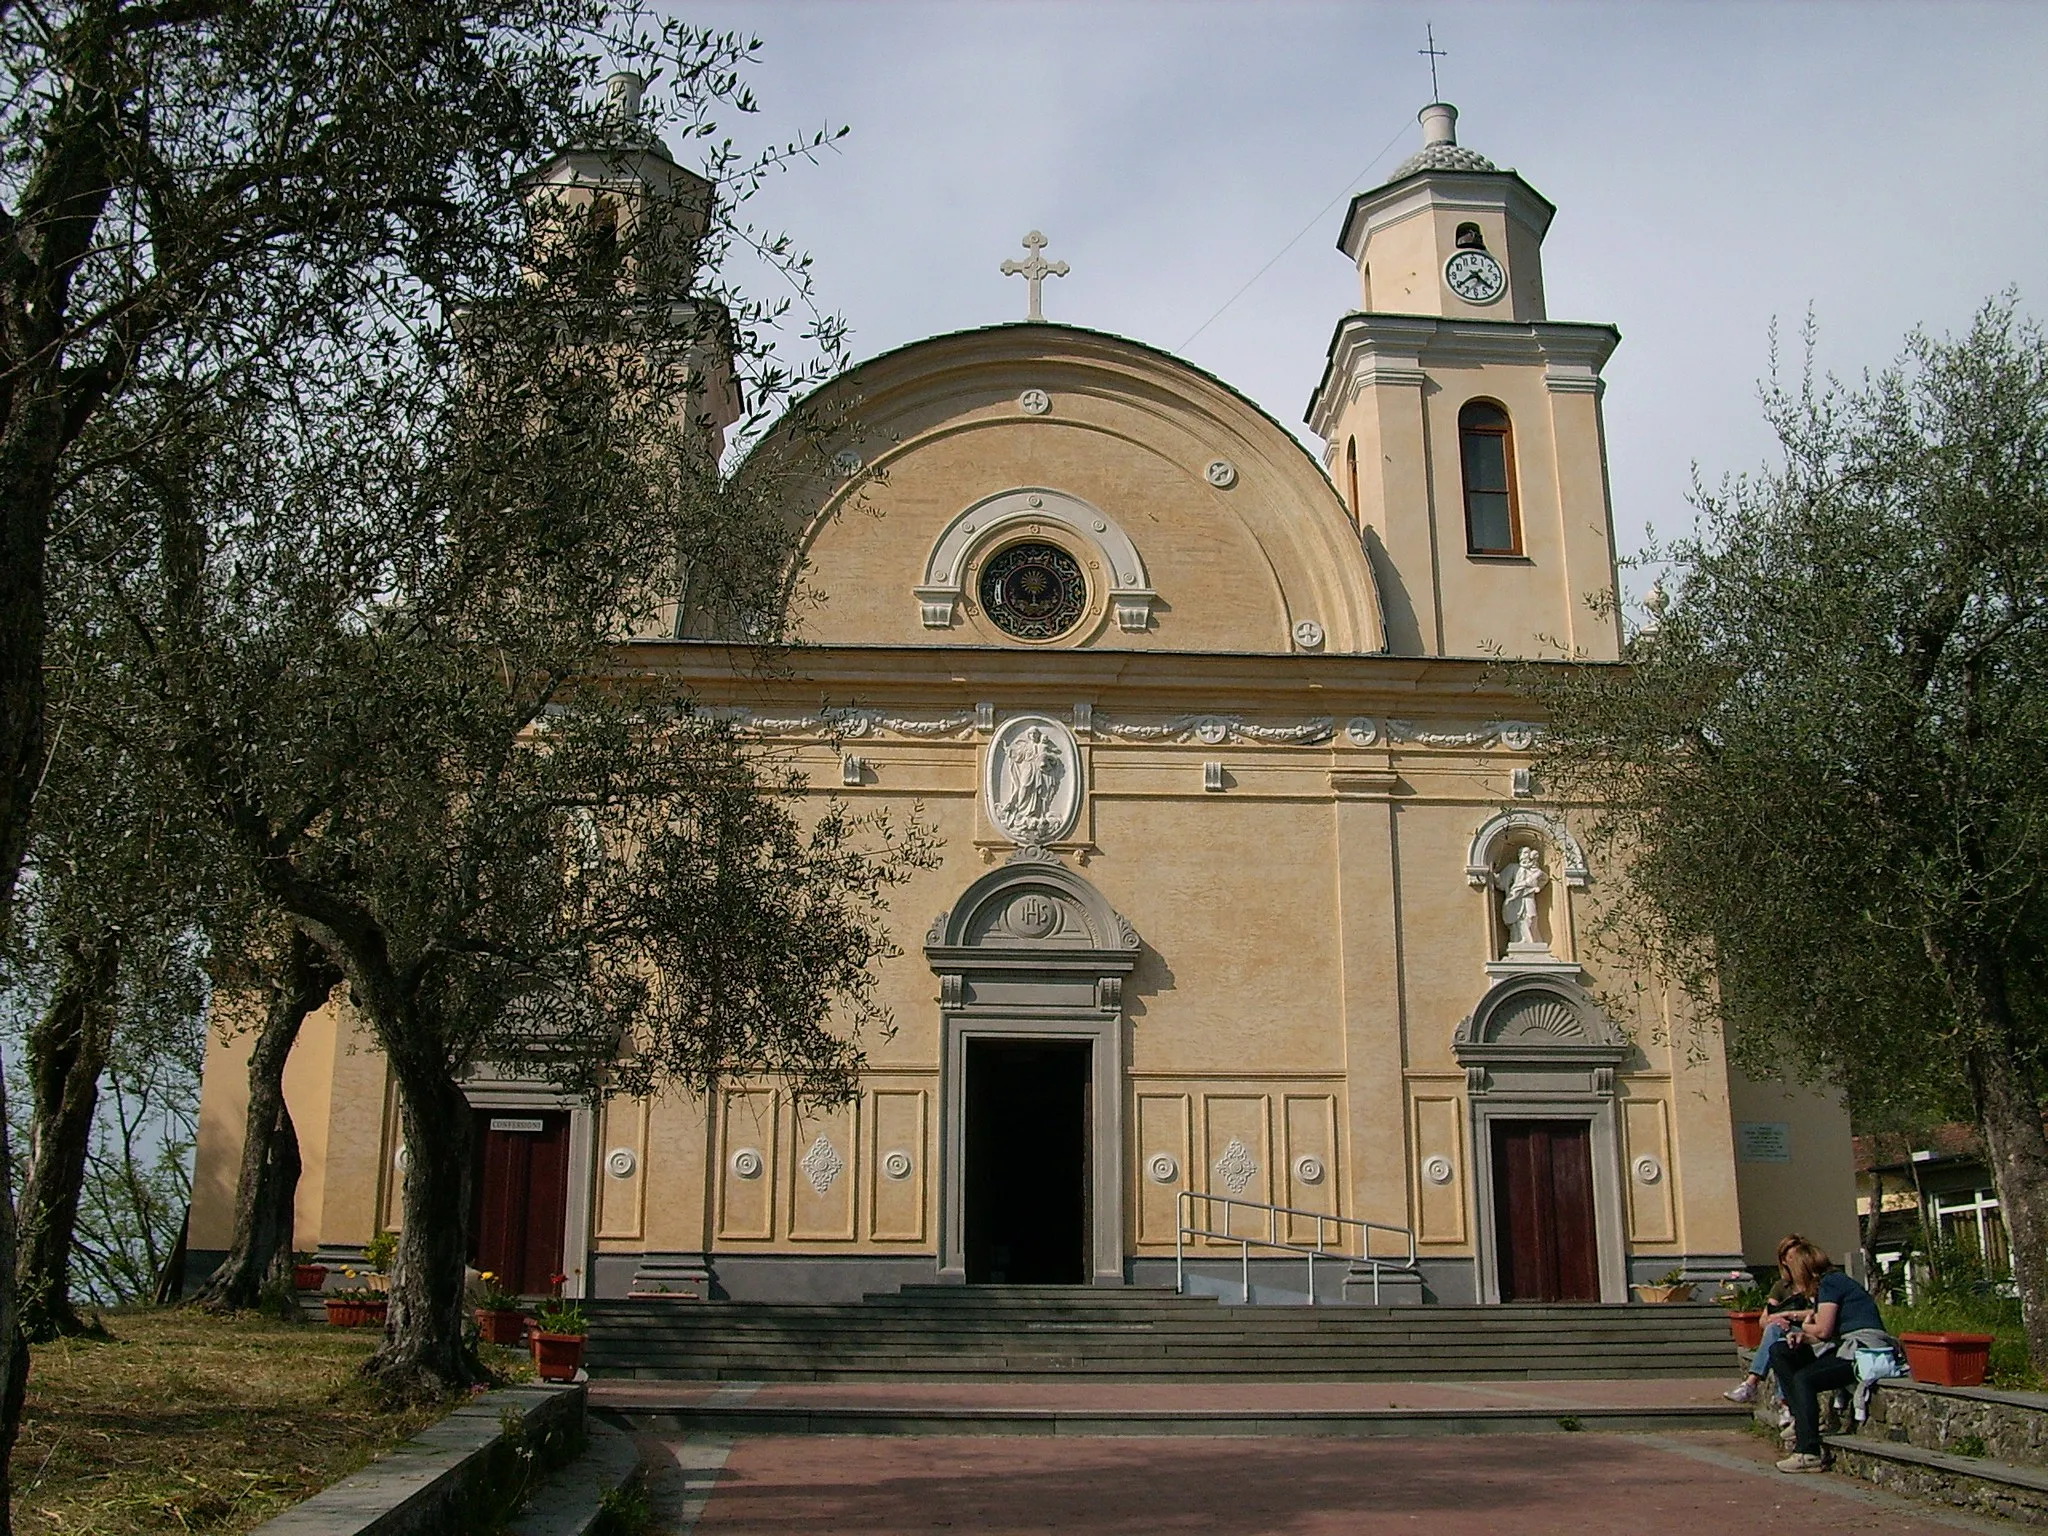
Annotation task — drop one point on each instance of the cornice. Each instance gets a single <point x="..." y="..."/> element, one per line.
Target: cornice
<point x="1455" y="189"/>
<point x="1371" y="349"/>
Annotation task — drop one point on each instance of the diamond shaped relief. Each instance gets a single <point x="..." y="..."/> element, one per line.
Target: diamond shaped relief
<point x="1236" y="1167"/>
<point x="822" y="1164"/>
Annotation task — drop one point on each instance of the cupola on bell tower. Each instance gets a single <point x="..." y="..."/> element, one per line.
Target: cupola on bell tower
<point x="1462" y="426"/>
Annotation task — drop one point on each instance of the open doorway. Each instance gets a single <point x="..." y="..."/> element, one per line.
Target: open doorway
<point x="1027" y="1174"/>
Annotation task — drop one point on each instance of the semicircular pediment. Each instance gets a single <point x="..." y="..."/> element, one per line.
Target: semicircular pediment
<point x="1031" y="903"/>
<point x="1206" y="524"/>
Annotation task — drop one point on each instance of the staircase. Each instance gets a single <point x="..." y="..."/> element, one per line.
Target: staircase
<point x="1045" y="1333"/>
<point x="1971" y="1447"/>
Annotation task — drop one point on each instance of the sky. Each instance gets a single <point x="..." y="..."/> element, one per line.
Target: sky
<point x="1717" y="168"/>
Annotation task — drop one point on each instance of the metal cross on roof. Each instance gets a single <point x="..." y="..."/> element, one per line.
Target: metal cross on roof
<point x="1034" y="269"/>
<point x="1433" y="53"/>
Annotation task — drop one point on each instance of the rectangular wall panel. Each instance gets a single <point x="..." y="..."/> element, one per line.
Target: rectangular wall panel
<point x="824" y="1158"/>
<point x="747" y="1144"/>
<point x="1646" y="1149"/>
<point x="1310" y="1161"/>
<point x="1439" y="1150"/>
<point x="896" y="1206"/>
<point x="1237" y="1157"/>
<point x="622" y="1197"/>
<point x="1163" y="1127"/>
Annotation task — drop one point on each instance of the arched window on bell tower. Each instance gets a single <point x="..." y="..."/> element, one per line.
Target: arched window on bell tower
<point x="1486" y="452"/>
<point x="1351" y="479"/>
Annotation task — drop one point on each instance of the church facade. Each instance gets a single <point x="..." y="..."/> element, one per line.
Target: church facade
<point x="1252" y="920"/>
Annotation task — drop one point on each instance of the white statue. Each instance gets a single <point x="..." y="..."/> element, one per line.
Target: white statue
<point x="1033" y="767"/>
<point x="1520" y="884"/>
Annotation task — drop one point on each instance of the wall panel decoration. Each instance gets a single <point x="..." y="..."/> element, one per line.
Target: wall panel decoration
<point x="1439" y="1169"/>
<point x="622" y="1199"/>
<point x="898" y="1165"/>
<point x="747" y="1147"/>
<point x="1646" y="1159"/>
<point x="823" y="1177"/>
<point x="1163" y="1134"/>
<point x="1309" y="1161"/>
<point x="1237" y="1157"/>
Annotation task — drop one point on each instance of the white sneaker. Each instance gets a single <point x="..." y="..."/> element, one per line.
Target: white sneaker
<point x="1744" y="1393"/>
<point x="1802" y="1461"/>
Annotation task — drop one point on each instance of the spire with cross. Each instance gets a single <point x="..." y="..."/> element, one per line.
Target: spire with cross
<point x="1035" y="269"/>
<point x="1432" y="53"/>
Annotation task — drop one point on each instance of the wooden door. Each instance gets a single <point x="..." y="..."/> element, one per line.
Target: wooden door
<point x="1543" y="1211"/>
<point x="521" y="1198"/>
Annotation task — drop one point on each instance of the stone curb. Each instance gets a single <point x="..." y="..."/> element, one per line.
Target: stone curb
<point x="570" y="1501"/>
<point x="452" y="1477"/>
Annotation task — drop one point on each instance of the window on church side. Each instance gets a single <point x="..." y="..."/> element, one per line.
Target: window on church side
<point x="1034" y="591"/>
<point x="1487" y="456"/>
<point x="1351" y="477"/>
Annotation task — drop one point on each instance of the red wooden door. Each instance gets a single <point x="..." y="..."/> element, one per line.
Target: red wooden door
<point x="521" y="1197"/>
<point x="1543" y="1211"/>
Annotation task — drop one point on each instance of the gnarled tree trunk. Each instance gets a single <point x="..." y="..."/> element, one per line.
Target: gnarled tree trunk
<point x="425" y="1353"/>
<point x="68" y="1051"/>
<point x="267" y="1188"/>
<point x="13" y="1345"/>
<point x="2008" y="1104"/>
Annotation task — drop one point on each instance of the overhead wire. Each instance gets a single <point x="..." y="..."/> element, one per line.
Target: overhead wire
<point x="1290" y="245"/>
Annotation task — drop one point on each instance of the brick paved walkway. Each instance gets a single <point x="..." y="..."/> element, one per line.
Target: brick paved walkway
<point x="1531" y="1485"/>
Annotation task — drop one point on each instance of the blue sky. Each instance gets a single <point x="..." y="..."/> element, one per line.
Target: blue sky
<point x="1714" y="167"/>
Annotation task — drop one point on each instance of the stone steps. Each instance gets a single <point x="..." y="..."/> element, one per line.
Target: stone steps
<point x="980" y="1333"/>
<point x="1973" y="1447"/>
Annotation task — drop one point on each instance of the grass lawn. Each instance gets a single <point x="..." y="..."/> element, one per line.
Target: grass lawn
<point x="185" y="1422"/>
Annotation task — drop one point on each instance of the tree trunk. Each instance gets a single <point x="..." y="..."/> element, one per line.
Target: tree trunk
<point x="13" y="1346"/>
<point x="425" y="1354"/>
<point x="68" y="1051"/>
<point x="2009" y="1111"/>
<point x="266" y="1191"/>
<point x="1876" y="1216"/>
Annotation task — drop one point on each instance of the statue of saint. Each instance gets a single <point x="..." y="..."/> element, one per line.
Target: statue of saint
<point x="1520" y="884"/>
<point x="1032" y="769"/>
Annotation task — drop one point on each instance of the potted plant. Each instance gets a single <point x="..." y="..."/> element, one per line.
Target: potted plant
<point x="1671" y="1288"/>
<point x="558" y="1337"/>
<point x="498" y="1317"/>
<point x="378" y="1254"/>
<point x="355" y="1306"/>
<point x="1745" y="1300"/>
<point x="306" y="1275"/>
<point x="1948" y="1359"/>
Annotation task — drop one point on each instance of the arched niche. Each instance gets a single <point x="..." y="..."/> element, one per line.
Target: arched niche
<point x="1540" y="1047"/>
<point x="1488" y="860"/>
<point x="943" y="589"/>
<point x="1483" y="853"/>
<point x="1032" y="951"/>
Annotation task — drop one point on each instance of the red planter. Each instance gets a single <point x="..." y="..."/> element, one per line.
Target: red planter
<point x="557" y="1356"/>
<point x="355" y="1314"/>
<point x="1748" y="1328"/>
<point x="500" y="1325"/>
<point x="309" y="1277"/>
<point x="1948" y="1359"/>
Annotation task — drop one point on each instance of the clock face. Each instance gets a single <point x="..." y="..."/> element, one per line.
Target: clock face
<point x="1475" y="277"/>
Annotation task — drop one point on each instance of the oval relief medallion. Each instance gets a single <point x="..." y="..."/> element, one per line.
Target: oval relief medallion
<point x="1031" y="781"/>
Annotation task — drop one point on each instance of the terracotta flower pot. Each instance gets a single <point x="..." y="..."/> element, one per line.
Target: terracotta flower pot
<point x="309" y="1277"/>
<point x="352" y="1312"/>
<point x="1748" y="1328"/>
<point x="1663" y="1293"/>
<point x="500" y="1325"/>
<point x="1948" y="1359"/>
<point x="557" y="1356"/>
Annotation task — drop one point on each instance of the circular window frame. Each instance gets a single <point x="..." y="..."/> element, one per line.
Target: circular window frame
<point x="1094" y="605"/>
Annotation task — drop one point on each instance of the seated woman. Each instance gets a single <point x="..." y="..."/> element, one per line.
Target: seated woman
<point x="1818" y="1352"/>
<point x="1783" y="1300"/>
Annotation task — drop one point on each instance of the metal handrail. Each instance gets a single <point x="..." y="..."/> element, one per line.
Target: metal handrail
<point x="1190" y="1199"/>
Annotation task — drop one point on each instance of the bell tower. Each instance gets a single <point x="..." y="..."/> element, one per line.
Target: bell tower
<point x="1461" y="425"/>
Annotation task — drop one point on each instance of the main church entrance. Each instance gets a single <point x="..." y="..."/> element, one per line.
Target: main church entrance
<point x="1027" y="1162"/>
<point x="521" y="1196"/>
<point x="1543" y="1211"/>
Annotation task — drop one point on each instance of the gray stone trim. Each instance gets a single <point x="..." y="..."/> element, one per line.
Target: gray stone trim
<point x="459" y="1475"/>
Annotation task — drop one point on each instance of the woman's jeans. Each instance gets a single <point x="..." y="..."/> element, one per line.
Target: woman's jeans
<point x="1760" y="1362"/>
<point x="1802" y="1377"/>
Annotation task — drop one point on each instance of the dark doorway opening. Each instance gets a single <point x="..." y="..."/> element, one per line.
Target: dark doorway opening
<point x="1027" y="1174"/>
<point x="521" y="1196"/>
<point x="1543" y="1211"/>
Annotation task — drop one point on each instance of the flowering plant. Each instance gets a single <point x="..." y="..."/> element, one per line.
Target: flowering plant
<point x="492" y="1296"/>
<point x="381" y="1250"/>
<point x="1741" y="1293"/>
<point x="356" y="1293"/>
<point x="559" y="1316"/>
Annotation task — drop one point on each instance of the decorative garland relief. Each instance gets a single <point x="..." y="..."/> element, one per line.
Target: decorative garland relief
<point x="1208" y="729"/>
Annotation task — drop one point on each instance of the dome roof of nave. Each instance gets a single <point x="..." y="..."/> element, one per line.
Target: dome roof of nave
<point x="1201" y="523"/>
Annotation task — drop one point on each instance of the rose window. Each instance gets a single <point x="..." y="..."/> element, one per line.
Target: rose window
<point x="1034" y="591"/>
